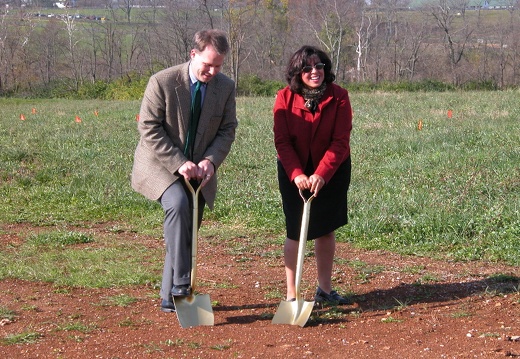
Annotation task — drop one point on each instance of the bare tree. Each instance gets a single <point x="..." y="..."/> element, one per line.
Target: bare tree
<point x="512" y="46"/>
<point x="209" y="9"/>
<point x="155" y="6"/>
<point x="174" y="34"/>
<point x="17" y="55"/>
<point x="330" y="20"/>
<point x="409" y="52"/>
<point x="126" y="6"/>
<point x="93" y="43"/>
<point x="364" y="33"/>
<point x="74" y="60"/>
<point x="399" y="40"/>
<point x="133" y="51"/>
<point x="52" y="45"/>
<point x="368" y="40"/>
<point x="3" y="49"/>
<point x="271" y="35"/>
<point x="456" y="34"/>
<point x="108" y="50"/>
<point x="239" y="19"/>
<point x="499" y="49"/>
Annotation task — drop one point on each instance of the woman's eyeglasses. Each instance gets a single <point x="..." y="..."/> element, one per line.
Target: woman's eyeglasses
<point x="318" y="66"/>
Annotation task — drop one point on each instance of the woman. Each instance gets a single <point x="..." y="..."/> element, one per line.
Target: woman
<point x="312" y="124"/>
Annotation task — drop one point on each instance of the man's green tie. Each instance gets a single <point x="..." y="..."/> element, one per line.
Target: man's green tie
<point x="196" y="106"/>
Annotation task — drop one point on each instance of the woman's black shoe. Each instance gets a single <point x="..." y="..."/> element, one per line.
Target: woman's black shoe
<point x="332" y="298"/>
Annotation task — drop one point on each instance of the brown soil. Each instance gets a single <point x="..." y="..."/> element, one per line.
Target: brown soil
<point x="405" y="307"/>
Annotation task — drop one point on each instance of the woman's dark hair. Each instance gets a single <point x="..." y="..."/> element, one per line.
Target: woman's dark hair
<point x="302" y="58"/>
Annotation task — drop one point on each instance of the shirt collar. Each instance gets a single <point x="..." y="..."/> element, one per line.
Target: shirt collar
<point x="193" y="79"/>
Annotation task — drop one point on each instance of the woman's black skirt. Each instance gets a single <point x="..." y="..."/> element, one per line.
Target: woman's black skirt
<point x="328" y="209"/>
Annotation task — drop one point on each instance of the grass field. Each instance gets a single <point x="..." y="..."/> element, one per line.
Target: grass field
<point x="449" y="190"/>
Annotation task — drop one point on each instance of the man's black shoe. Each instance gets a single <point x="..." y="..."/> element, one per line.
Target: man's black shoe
<point x="181" y="290"/>
<point x="167" y="306"/>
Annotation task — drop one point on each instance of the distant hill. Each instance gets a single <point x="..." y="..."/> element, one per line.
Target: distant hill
<point x="471" y="4"/>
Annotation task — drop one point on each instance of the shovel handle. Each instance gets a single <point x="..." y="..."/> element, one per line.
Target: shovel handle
<point x="194" y="191"/>
<point x="194" y="231"/>
<point x="303" y="240"/>
<point x="306" y="199"/>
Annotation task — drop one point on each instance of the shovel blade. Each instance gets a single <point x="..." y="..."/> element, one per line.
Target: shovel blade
<point x="194" y="310"/>
<point x="296" y="312"/>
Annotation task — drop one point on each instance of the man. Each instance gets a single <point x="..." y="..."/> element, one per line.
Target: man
<point x="174" y="145"/>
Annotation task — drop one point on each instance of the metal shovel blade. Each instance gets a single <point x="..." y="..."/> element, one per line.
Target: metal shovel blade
<point x="296" y="312"/>
<point x="194" y="310"/>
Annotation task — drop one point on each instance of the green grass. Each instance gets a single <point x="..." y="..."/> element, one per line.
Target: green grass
<point x="76" y="326"/>
<point x="6" y="313"/>
<point x="121" y="300"/>
<point x="86" y="267"/>
<point x="58" y="238"/>
<point x="21" y="338"/>
<point x="450" y="190"/>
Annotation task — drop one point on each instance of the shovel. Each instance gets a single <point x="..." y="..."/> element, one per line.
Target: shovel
<point x="194" y="310"/>
<point x="298" y="311"/>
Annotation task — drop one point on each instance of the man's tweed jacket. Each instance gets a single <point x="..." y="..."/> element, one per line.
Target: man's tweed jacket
<point x="163" y="123"/>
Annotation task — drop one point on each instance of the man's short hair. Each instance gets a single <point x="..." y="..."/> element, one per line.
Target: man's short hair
<point x="213" y="37"/>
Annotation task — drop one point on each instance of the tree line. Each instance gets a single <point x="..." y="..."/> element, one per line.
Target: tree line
<point x="379" y="41"/>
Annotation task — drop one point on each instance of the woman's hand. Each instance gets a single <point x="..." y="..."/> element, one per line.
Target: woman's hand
<point x="317" y="183"/>
<point x="302" y="182"/>
<point x="313" y="183"/>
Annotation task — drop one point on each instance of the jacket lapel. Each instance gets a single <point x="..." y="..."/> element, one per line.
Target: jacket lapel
<point x="182" y="89"/>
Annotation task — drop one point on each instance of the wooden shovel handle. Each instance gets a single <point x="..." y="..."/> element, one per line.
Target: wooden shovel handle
<point x="194" y="231"/>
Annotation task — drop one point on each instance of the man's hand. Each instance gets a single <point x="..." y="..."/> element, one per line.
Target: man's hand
<point x="206" y="170"/>
<point x="201" y="172"/>
<point x="189" y="170"/>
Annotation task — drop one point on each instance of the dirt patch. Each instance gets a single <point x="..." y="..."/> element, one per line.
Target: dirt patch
<point x="405" y="307"/>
